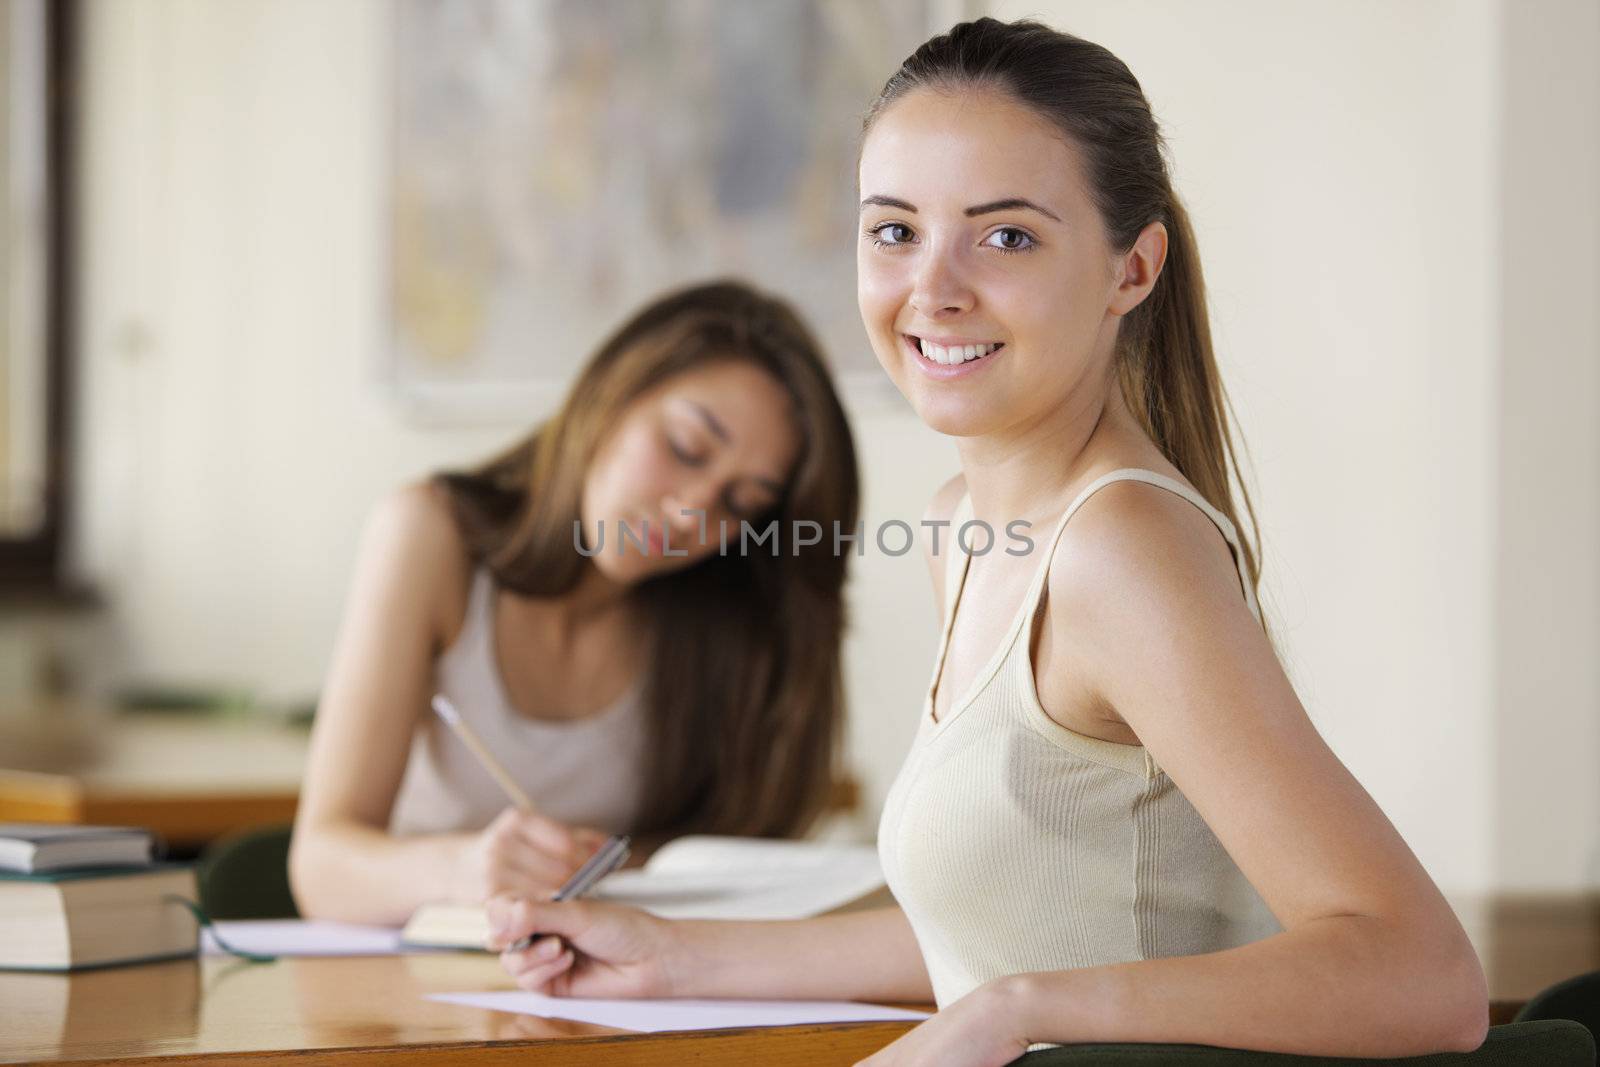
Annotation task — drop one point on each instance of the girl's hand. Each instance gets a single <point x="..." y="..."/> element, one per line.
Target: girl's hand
<point x="587" y="948"/>
<point x="524" y="853"/>
<point x="975" y="1031"/>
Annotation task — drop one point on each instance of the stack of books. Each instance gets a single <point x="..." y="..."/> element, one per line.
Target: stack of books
<point x="74" y="897"/>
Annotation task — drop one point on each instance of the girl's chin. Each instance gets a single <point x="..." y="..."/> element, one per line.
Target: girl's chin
<point x="953" y="416"/>
<point x="632" y="567"/>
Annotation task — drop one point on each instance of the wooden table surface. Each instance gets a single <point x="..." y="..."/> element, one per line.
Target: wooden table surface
<point x="358" y="1010"/>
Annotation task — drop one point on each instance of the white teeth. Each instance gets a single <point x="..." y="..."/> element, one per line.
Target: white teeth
<point x="949" y="357"/>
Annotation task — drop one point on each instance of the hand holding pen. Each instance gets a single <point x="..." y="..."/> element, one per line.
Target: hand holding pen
<point x="593" y="948"/>
<point x="521" y="847"/>
<point x="611" y="856"/>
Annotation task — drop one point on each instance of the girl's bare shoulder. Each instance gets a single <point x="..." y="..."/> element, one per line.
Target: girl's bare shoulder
<point x="413" y="536"/>
<point x="1133" y="542"/>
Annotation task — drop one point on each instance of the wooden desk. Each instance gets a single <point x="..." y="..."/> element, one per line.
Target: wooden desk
<point x="1529" y="943"/>
<point x="356" y="1011"/>
<point x="190" y="779"/>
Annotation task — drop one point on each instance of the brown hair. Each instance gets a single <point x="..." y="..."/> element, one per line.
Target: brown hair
<point x="1164" y="357"/>
<point x="745" y="692"/>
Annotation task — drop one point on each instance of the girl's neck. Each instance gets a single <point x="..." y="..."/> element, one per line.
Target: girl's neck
<point x="594" y="597"/>
<point x="1029" y="472"/>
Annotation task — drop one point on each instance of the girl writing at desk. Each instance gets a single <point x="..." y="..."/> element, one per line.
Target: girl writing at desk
<point x="632" y="677"/>
<point x="1116" y="822"/>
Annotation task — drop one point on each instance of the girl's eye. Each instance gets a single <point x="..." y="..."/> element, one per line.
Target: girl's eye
<point x="889" y="234"/>
<point x="1011" y="239"/>
<point x="685" y="456"/>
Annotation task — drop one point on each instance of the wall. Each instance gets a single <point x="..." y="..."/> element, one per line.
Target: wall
<point x="1547" y="578"/>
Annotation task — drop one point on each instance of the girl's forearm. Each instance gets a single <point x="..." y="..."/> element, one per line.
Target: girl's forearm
<point x="865" y="955"/>
<point x="353" y="873"/>
<point x="1341" y="986"/>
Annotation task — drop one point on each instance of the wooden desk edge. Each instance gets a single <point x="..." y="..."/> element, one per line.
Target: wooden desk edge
<point x="187" y="819"/>
<point x="781" y="1046"/>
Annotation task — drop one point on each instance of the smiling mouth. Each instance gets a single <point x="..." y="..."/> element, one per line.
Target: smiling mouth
<point x="951" y="355"/>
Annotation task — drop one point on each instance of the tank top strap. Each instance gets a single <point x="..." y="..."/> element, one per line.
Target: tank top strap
<point x="955" y="559"/>
<point x="480" y="601"/>
<point x="955" y="576"/>
<point x="477" y="623"/>
<point x="1161" y="481"/>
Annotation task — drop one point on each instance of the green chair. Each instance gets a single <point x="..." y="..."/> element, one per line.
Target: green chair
<point x="1577" y="999"/>
<point x="245" y="875"/>
<point x="1545" y="1043"/>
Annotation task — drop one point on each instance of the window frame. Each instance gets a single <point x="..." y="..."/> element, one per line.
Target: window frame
<point x="35" y="565"/>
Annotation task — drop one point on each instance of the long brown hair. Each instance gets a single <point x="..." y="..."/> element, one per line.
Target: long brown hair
<point x="1164" y="358"/>
<point x="745" y="692"/>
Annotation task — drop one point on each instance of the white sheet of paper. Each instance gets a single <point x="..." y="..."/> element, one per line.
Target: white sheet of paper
<point x="654" y="1016"/>
<point x="302" y="937"/>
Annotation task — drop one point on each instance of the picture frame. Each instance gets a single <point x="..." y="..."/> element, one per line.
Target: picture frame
<point x="555" y="165"/>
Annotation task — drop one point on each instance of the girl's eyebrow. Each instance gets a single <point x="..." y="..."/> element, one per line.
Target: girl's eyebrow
<point x="1010" y="203"/>
<point x="713" y="423"/>
<point x="887" y="201"/>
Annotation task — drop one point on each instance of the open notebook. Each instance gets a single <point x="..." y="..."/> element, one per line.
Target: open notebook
<point x="700" y="877"/>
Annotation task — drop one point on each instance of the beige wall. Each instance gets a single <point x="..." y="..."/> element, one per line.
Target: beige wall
<point x="1343" y="163"/>
<point x="1547" y="576"/>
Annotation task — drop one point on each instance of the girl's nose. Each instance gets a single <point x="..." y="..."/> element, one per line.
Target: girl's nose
<point x="939" y="289"/>
<point x="688" y="505"/>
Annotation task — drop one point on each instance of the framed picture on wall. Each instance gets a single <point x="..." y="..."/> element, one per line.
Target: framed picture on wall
<point x="556" y="163"/>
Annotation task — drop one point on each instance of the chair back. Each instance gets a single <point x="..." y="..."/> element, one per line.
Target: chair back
<point x="1544" y="1043"/>
<point x="245" y="875"/>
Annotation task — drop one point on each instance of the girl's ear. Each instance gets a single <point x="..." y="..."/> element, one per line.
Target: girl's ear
<point x="1138" y="268"/>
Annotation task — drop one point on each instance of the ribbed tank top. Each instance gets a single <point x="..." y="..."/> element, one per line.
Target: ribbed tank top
<point x="584" y="771"/>
<point x="1016" y="845"/>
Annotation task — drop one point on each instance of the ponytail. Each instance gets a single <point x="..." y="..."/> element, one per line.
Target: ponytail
<point x="1169" y="377"/>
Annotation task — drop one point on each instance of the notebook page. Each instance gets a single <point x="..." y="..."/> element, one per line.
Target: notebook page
<point x="742" y="878"/>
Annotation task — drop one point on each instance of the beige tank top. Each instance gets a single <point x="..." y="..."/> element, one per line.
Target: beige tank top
<point x="1016" y="845"/>
<point x="583" y="771"/>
